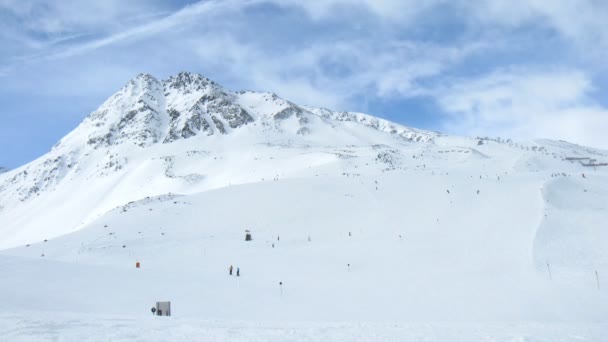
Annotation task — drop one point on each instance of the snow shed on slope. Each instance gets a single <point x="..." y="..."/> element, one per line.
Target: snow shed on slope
<point x="163" y="308"/>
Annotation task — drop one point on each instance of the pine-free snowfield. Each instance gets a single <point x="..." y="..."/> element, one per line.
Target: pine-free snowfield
<point x="363" y="253"/>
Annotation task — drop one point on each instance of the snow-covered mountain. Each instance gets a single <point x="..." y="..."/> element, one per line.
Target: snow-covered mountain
<point x="3" y="169"/>
<point x="152" y="125"/>
<point x="148" y="111"/>
<point x="187" y="134"/>
<point x="354" y="219"/>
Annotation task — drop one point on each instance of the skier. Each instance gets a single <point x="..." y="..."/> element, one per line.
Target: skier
<point x="478" y="192"/>
<point x="238" y="272"/>
<point x="230" y="270"/>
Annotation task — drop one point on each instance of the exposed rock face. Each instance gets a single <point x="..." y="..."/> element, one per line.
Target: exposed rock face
<point x="147" y="111"/>
<point x="134" y="114"/>
<point x="211" y="113"/>
<point x="376" y="123"/>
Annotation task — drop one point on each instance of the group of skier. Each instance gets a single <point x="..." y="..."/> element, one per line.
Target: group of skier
<point x="238" y="271"/>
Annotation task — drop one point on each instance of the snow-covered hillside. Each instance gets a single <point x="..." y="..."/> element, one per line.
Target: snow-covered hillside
<point x="153" y="137"/>
<point x="362" y="229"/>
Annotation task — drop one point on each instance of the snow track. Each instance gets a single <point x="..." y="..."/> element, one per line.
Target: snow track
<point x="572" y="235"/>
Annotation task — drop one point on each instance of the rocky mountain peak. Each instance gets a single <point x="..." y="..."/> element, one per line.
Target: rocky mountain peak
<point x="188" y="81"/>
<point x="147" y="111"/>
<point x="141" y="84"/>
<point x="134" y="114"/>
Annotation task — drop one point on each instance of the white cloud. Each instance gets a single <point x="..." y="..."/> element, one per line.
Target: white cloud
<point x="295" y="76"/>
<point x="521" y="103"/>
<point x="69" y="16"/>
<point x="390" y="9"/>
<point x="181" y="17"/>
<point x="330" y="74"/>
<point x="387" y="56"/>
<point x="581" y="22"/>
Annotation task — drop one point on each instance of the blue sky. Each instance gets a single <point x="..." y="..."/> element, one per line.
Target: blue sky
<point x="518" y="69"/>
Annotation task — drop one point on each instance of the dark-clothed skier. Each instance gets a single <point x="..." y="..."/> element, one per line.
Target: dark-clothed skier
<point x="238" y="272"/>
<point x="230" y="270"/>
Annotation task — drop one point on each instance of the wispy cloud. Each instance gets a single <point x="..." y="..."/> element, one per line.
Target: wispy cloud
<point x="526" y="104"/>
<point x="332" y="73"/>
<point x="66" y="17"/>
<point x="581" y="23"/>
<point x="490" y="67"/>
<point x="181" y="17"/>
<point x="402" y="11"/>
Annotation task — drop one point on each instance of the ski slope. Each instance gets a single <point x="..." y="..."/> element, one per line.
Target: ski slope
<point x="416" y="253"/>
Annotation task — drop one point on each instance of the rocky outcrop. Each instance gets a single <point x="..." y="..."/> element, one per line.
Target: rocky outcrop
<point x="147" y="111"/>
<point x="196" y="105"/>
<point x="134" y="115"/>
<point x="382" y="125"/>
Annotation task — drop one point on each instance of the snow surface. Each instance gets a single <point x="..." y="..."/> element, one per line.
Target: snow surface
<point x="374" y="234"/>
<point x="85" y="327"/>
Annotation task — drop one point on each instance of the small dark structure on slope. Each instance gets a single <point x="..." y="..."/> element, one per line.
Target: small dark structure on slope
<point x="163" y="309"/>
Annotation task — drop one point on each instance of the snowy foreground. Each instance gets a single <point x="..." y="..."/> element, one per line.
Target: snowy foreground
<point x="83" y="327"/>
<point x="360" y="231"/>
<point x="391" y="264"/>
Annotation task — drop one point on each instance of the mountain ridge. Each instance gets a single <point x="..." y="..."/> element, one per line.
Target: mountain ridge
<point x="153" y="126"/>
<point x="147" y="111"/>
<point x="187" y="135"/>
